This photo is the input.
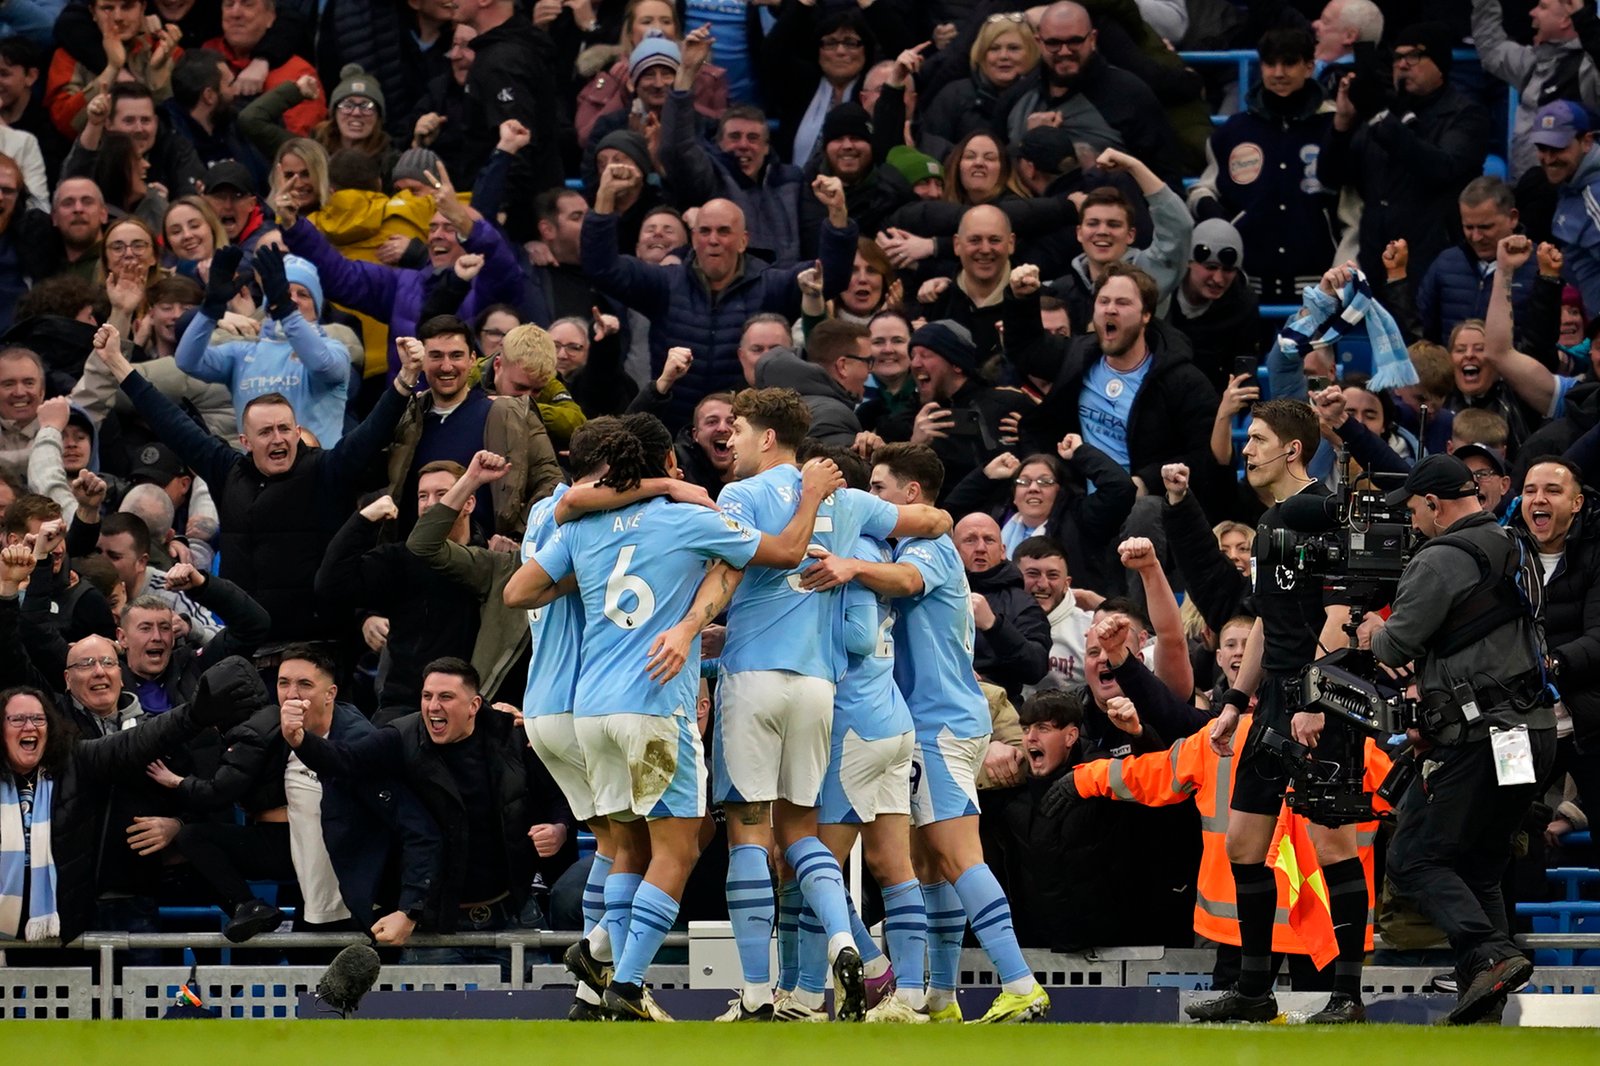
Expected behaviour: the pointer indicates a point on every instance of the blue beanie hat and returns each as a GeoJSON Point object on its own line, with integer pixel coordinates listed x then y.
{"type": "Point", "coordinates": [301, 272]}
{"type": "Point", "coordinates": [654, 50]}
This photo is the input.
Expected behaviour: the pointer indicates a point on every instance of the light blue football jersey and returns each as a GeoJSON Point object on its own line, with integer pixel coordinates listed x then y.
{"type": "Point", "coordinates": [772, 623]}
{"type": "Point", "coordinates": [867, 700]}
{"type": "Point", "coordinates": [638, 569]}
{"type": "Point", "coordinates": [555, 628]}
{"type": "Point", "coordinates": [933, 635]}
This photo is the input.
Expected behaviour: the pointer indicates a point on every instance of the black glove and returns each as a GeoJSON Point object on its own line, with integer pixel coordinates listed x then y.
{"type": "Point", "coordinates": [274, 282]}
{"type": "Point", "coordinates": [222, 283]}
{"type": "Point", "coordinates": [229, 692]}
{"type": "Point", "coordinates": [1061, 795]}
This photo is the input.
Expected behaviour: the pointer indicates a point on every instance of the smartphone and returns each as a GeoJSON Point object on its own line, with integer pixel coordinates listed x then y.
{"type": "Point", "coordinates": [1316, 382]}
{"type": "Point", "coordinates": [1244, 366]}
{"type": "Point", "coordinates": [968, 423]}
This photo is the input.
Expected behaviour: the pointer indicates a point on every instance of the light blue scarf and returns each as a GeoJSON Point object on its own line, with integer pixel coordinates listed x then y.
{"type": "Point", "coordinates": [27, 854]}
{"type": "Point", "coordinates": [1324, 319]}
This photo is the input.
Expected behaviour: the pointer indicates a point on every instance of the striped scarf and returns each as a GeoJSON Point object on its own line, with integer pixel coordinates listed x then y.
{"type": "Point", "coordinates": [27, 855]}
{"type": "Point", "coordinates": [1324, 319]}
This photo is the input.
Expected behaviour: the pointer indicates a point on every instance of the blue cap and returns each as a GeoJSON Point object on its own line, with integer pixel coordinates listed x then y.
{"type": "Point", "coordinates": [1558, 123]}
{"type": "Point", "coordinates": [302, 272]}
{"type": "Point", "coordinates": [653, 51]}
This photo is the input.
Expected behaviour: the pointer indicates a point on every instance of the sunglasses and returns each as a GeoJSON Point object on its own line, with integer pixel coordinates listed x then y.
{"type": "Point", "coordinates": [1057, 44]}
{"type": "Point", "coordinates": [1228, 258]}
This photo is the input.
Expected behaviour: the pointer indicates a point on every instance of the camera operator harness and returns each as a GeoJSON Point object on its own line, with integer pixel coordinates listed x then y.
{"type": "Point", "coordinates": [1359, 547]}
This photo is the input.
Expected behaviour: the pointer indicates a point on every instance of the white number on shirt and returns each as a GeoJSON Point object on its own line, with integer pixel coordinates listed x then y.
{"type": "Point", "coordinates": [621, 583]}
{"type": "Point", "coordinates": [885, 648]}
{"type": "Point", "coordinates": [824, 525]}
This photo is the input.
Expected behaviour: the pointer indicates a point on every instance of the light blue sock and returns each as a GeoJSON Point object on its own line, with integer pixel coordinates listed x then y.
{"type": "Point", "coordinates": [594, 892]}
{"type": "Point", "coordinates": [867, 946]}
{"type": "Point", "coordinates": [789, 903]}
{"type": "Point", "coordinates": [619, 893]}
{"type": "Point", "coordinates": [947, 921]}
{"type": "Point", "coordinates": [990, 915]}
{"type": "Point", "coordinates": [653, 914]}
{"type": "Point", "coordinates": [905, 924]}
{"type": "Point", "coordinates": [822, 884]}
{"type": "Point", "coordinates": [813, 953]}
{"type": "Point", "coordinates": [750, 909]}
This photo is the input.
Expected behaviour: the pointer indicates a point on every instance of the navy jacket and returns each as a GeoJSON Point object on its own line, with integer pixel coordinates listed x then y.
{"type": "Point", "coordinates": [684, 313]}
{"type": "Point", "coordinates": [1456, 288]}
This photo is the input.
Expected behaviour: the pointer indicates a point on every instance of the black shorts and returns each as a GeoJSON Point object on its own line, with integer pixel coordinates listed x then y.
{"type": "Point", "coordinates": [1262, 778]}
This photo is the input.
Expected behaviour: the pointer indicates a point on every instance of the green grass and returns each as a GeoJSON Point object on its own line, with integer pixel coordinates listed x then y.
{"type": "Point", "coordinates": [476, 1043]}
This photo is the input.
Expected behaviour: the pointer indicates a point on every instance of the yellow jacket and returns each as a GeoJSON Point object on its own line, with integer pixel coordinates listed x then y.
{"type": "Point", "coordinates": [357, 223]}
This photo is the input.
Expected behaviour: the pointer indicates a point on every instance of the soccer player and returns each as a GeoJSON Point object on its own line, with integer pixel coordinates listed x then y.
{"type": "Point", "coordinates": [933, 634]}
{"type": "Point", "coordinates": [634, 723]}
{"type": "Point", "coordinates": [783, 655]}
{"type": "Point", "coordinates": [866, 794]}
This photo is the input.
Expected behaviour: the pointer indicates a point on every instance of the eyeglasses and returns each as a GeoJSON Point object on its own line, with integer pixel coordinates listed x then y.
{"type": "Point", "coordinates": [1410, 59]}
{"type": "Point", "coordinates": [107, 662]}
{"type": "Point", "coordinates": [841, 44]}
{"type": "Point", "coordinates": [124, 247]}
{"type": "Point", "coordinates": [487, 332]}
{"type": "Point", "coordinates": [22, 721]}
{"type": "Point", "coordinates": [870, 360]}
{"type": "Point", "coordinates": [1058, 44]}
{"type": "Point", "coordinates": [356, 107]}
{"type": "Point", "coordinates": [1485, 475]}
{"type": "Point", "coordinates": [1045, 482]}
{"type": "Point", "coordinates": [571, 347]}
{"type": "Point", "coordinates": [1228, 258]}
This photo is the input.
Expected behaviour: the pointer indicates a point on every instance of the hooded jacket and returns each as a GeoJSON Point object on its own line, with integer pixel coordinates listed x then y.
{"type": "Point", "coordinates": [1219, 330]}
{"type": "Point", "coordinates": [1015, 651]}
{"type": "Point", "coordinates": [833, 414]}
{"type": "Point", "coordinates": [1165, 260]}
{"type": "Point", "coordinates": [395, 295]}
{"type": "Point", "coordinates": [292, 357]}
{"type": "Point", "coordinates": [358, 222]}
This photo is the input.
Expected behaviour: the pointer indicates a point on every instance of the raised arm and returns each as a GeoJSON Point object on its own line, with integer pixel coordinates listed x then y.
{"type": "Point", "coordinates": [1172, 647]}
{"type": "Point", "coordinates": [1528, 378]}
{"type": "Point", "coordinates": [430, 537]}
{"type": "Point", "coordinates": [819, 479]}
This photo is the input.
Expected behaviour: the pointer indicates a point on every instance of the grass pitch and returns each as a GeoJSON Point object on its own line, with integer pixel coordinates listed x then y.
{"type": "Point", "coordinates": [479, 1043]}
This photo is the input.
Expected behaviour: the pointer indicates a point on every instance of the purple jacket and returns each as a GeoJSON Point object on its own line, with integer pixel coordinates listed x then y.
{"type": "Point", "coordinates": [396, 294]}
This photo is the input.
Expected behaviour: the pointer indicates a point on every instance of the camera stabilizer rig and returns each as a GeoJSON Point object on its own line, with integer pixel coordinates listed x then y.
{"type": "Point", "coordinates": [1356, 544]}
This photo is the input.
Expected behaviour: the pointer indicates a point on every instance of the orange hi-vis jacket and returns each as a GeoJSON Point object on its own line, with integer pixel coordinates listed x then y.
{"type": "Point", "coordinates": [1190, 768]}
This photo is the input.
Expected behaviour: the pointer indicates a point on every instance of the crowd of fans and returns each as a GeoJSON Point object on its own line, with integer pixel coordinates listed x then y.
{"type": "Point", "coordinates": [257, 325]}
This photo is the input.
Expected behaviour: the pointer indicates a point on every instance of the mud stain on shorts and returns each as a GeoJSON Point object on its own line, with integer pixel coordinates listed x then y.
{"type": "Point", "coordinates": [655, 769]}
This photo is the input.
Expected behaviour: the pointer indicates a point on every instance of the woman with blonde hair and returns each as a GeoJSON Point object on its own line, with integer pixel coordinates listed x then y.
{"type": "Point", "coordinates": [300, 168]}
{"type": "Point", "coordinates": [191, 233]}
{"type": "Point", "coordinates": [1003, 52]}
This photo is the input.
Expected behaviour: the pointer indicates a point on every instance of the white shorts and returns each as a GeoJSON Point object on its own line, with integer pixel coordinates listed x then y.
{"type": "Point", "coordinates": [772, 737]}
{"type": "Point", "coordinates": [944, 776]}
{"type": "Point", "coordinates": [555, 742]}
{"type": "Point", "coordinates": [867, 778]}
{"type": "Point", "coordinates": [643, 765]}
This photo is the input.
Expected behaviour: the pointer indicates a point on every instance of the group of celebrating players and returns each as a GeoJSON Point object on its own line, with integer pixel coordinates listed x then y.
{"type": "Point", "coordinates": [846, 705]}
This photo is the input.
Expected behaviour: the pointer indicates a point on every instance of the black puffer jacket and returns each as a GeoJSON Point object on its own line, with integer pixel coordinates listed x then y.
{"type": "Point", "coordinates": [525, 792]}
{"type": "Point", "coordinates": [1015, 651]}
{"type": "Point", "coordinates": [230, 691]}
{"type": "Point", "coordinates": [275, 529]}
{"type": "Point", "coordinates": [1572, 619]}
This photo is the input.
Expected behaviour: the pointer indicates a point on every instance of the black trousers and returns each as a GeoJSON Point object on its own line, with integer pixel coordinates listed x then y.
{"type": "Point", "coordinates": [1452, 845]}
{"type": "Point", "coordinates": [228, 856]}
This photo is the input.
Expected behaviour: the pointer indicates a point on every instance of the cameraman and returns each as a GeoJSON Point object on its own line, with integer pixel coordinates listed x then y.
{"type": "Point", "coordinates": [1290, 611]}
{"type": "Point", "coordinates": [1487, 732]}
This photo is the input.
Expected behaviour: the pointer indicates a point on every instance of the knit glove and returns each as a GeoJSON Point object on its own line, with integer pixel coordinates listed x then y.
{"type": "Point", "coordinates": [223, 281]}
{"type": "Point", "coordinates": [274, 282]}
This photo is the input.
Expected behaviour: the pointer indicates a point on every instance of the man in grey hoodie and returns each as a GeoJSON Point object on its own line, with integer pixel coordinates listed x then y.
{"type": "Point", "coordinates": [830, 378]}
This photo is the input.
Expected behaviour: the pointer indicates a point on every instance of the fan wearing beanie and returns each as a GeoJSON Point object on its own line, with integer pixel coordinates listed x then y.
{"type": "Point", "coordinates": [294, 356]}
{"type": "Point", "coordinates": [652, 67]}
{"type": "Point", "coordinates": [871, 192]}
{"type": "Point", "coordinates": [354, 119]}
{"type": "Point", "coordinates": [1411, 160]}
{"type": "Point", "coordinates": [1214, 306]}
{"type": "Point", "coordinates": [958, 413]}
